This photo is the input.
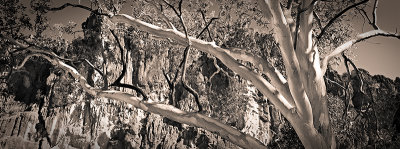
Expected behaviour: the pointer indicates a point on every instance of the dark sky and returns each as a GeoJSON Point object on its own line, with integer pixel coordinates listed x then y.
{"type": "Point", "coordinates": [377, 55]}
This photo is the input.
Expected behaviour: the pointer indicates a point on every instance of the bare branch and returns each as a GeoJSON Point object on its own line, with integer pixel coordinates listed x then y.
{"type": "Point", "coordinates": [289, 19]}
{"type": "Point", "coordinates": [374, 15]}
{"type": "Point", "coordinates": [91, 65]}
{"type": "Point", "coordinates": [331, 21]}
{"type": "Point", "coordinates": [358, 38]}
{"type": "Point", "coordinates": [365, 15]}
{"type": "Point", "coordinates": [30, 48]}
{"type": "Point", "coordinates": [346, 59]}
{"type": "Point", "coordinates": [78, 6]}
{"type": "Point", "coordinates": [26, 59]}
{"type": "Point", "coordinates": [121, 49]}
{"type": "Point", "coordinates": [133, 87]}
{"type": "Point", "coordinates": [186, 55]}
{"type": "Point", "coordinates": [208, 24]}
{"type": "Point", "coordinates": [317, 19]}
{"type": "Point", "coordinates": [334, 82]}
{"type": "Point", "coordinates": [167, 78]}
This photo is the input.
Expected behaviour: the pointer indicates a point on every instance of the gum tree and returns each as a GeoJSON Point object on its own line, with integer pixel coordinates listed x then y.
{"type": "Point", "coordinates": [299, 92]}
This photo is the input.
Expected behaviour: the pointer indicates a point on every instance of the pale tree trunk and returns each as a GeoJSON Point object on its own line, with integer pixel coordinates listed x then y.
{"type": "Point", "coordinates": [304, 74]}
{"type": "Point", "coordinates": [300, 97]}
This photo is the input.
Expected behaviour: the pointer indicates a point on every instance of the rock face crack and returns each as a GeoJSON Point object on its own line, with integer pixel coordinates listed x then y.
{"type": "Point", "coordinates": [143, 131]}
{"type": "Point", "coordinates": [41, 126]}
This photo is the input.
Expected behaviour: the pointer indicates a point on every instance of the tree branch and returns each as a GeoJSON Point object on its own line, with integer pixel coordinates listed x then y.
{"type": "Point", "coordinates": [78, 6]}
{"type": "Point", "coordinates": [317, 19]}
{"type": "Point", "coordinates": [346, 59]}
{"type": "Point", "coordinates": [91, 65]}
{"type": "Point", "coordinates": [357, 39]}
{"type": "Point", "coordinates": [331, 21]}
{"type": "Point", "coordinates": [208, 24]}
{"type": "Point", "coordinates": [121, 49]}
{"type": "Point", "coordinates": [186, 55]}
{"type": "Point", "coordinates": [374, 15]}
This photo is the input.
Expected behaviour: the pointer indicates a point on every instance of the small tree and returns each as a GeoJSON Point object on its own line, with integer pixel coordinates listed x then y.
{"type": "Point", "coordinates": [299, 93]}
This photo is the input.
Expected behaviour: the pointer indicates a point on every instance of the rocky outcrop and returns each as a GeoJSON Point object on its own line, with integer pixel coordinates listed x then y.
{"type": "Point", "coordinates": [45, 108]}
{"type": "Point", "coordinates": [370, 119]}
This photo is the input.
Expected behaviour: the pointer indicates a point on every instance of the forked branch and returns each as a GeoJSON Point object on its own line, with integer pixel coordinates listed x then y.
{"type": "Point", "coordinates": [331, 21]}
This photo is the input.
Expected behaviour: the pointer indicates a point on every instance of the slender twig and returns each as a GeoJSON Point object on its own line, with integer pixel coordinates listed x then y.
{"type": "Point", "coordinates": [346, 91]}
{"type": "Point", "coordinates": [316, 16]}
{"type": "Point", "coordinates": [334, 82]}
{"type": "Point", "coordinates": [373, 22]}
{"type": "Point", "coordinates": [219, 69]}
{"type": "Point", "coordinates": [172, 7]}
{"type": "Point", "coordinates": [170, 84]}
{"type": "Point", "coordinates": [208, 24]}
{"type": "Point", "coordinates": [91, 65]}
{"type": "Point", "coordinates": [121, 49]}
{"type": "Point", "coordinates": [78, 6]}
{"type": "Point", "coordinates": [346, 59]}
{"type": "Point", "coordinates": [364, 16]}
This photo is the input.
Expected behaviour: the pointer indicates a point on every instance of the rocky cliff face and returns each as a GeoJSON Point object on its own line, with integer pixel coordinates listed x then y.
{"type": "Point", "coordinates": [44, 107]}
{"type": "Point", "coordinates": [370, 119]}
